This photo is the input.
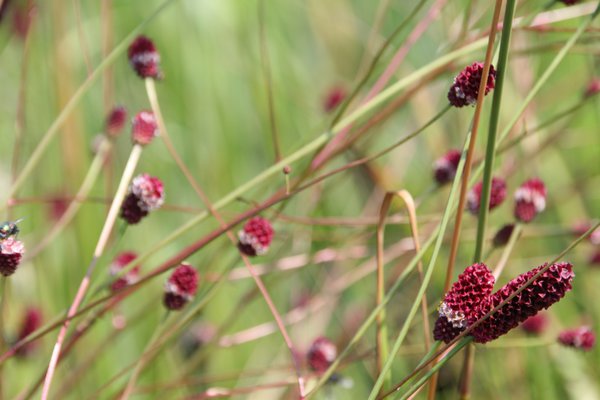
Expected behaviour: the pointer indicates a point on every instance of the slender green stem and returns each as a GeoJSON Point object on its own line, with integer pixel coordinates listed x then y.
{"type": "Point", "coordinates": [428, 273]}
{"type": "Point", "coordinates": [493, 128]}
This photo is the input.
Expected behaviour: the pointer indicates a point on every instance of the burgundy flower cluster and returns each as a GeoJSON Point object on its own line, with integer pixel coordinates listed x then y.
{"type": "Point", "coordinates": [321, 354]}
{"type": "Point", "coordinates": [465, 89]}
{"type": "Point", "coordinates": [131, 277]}
{"type": "Point", "coordinates": [181, 287]}
{"type": "Point", "coordinates": [146, 193]}
{"type": "Point", "coordinates": [256, 236]}
{"type": "Point", "coordinates": [593, 239]}
{"type": "Point", "coordinates": [444, 168]}
{"type": "Point", "coordinates": [470, 299]}
{"type": "Point", "coordinates": [580, 338]}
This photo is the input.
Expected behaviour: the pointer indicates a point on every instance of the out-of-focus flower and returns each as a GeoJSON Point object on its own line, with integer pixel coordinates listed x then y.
{"type": "Point", "coordinates": [497, 195]}
{"type": "Point", "coordinates": [335, 96]}
{"type": "Point", "coordinates": [255, 237]}
{"type": "Point", "coordinates": [181, 287]}
{"type": "Point", "coordinates": [503, 235]}
{"type": "Point", "coordinates": [321, 355]}
{"type": "Point", "coordinates": [118, 264]}
{"type": "Point", "coordinates": [444, 168]}
{"type": "Point", "coordinates": [31, 321]}
{"type": "Point", "coordinates": [11, 251]}
{"type": "Point", "coordinates": [582, 227]}
{"type": "Point", "coordinates": [115, 121]}
{"type": "Point", "coordinates": [535, 324]}
{"type": "Point", "coordinates": [146, 194]}
{"type": "Point", "coordinates": [593, 88]}
{"type": "Point", "coordinates": [472, 286]}
{"type": "Point", "coordinates": [144, 128]}
{"type": "Point", "coordinates": [580, 338]}
{"type": "Point", "coordinates": [144, 58]}
{"type": "Point", "coordinates": [530, 200]}
{"type": "Point", "coordinates": [465, 89]}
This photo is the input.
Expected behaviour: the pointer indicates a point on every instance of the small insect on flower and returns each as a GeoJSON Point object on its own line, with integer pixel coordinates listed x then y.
{"type": "Point", "coordinates": [9, 228]}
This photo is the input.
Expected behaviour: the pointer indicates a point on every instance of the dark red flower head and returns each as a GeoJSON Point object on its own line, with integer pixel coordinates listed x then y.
{"type": "Point", "coordinates": [582, 227]}
{"type": "Point", "coordinates": [595, 258]}
{"type": "Point", "coordinates": [444, 168]}
{"type": "Point", "coordinates": [503, 235]}
{"type": "Point", "coordinates": [544, 291]}
{"type": "Point", "coordinates": [144, 58]}
{"type": "Point", "coordinates": [593, 88]}
{"type": "Point", "coordinates": [474, 284]}
{"type": "Point", "coordinates": [144, 128]}
{"type": "Point", "coordinates": [11, 251]}
{"type": "Point", "coordinates": [569, 2]}
{"type": "Point", "coordinates": [580, 338]}
{"type": "Point", "coordinates": [465, 89]}
{"type": "Point", "coordinates": [334, 98]}
{"type": "Point", "coordinates": [535, 324]}
{"type": "Point", "coordinates": [32, 320]}
{"type": "Point", "coordinates": [497, 195]}
{"type": "Point", "coordinates": [146, 193]}
{"type": "Point", "coordinates": [321, 355]}
{"type": "Point", "coordinates": [181, 287]}
{"type": "Point", "coordinates": [255, 237]}
{"type": "Point", "coordinates": [117, 265]}
{"type": "Point", "coordinates": [115, 121]}
{"type": "Point", "coordinates": [530, 200]}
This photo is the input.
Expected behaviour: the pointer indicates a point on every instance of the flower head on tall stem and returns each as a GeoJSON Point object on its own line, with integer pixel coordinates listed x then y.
{"type": "Point", "coordinates": [580, 338]}
{"type": "Point", "coordinates": [465, 89]}
{"type": "Point", "coordinates": [444, 168]}
{"type": "Point", "coordinates": [146, 193]}
{"type": "Point", "coordinates": [181, 287]}
{"type": "Point", "coordinates": [256, 236]}
{"type": "Point", "coordinates": [144, 128]}
{"type": "Point", "coordinates": [144, 58]}
{"type": "Point", "coordinates": [321, 354]}
{"type": "Point", "coordinates": [497, 195]}
{"type": "Point", "coordinates": [530, 200]}
{"type": "Point", "coordinates": [118, 264]}
{"type": "Point", "coordinates": [115, 121]}
{"type": "Point", "coordinates": [545, 290]}
{"type": "Point", "coordinates": [11, 252]}
{"type": "Point", "coordinates": [472, 286]}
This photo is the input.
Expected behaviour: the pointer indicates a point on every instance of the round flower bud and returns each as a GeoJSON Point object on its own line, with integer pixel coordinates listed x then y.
{"type": "Point", "coordinates": [118, 264]}
{"type": "Point", "coordinates": [321, 355]}
{"type": "Point", "coordinates": [465, 89]}
{"type": "Point", "coordinates": [144, 128]}
{"type": "Point", "coordinates": [115, 121]}
{"type": "Point", "coordinates": [530, 200]}
{"type": "Point", "coordinates": [144, 58]}
{"type": "Point", "coordinates": [255, 237]}
{"type": "Point", "coordinates": [146, 193]}
{"type": "Point", "coordinates": [580, 338]}
{"type": "Point", "coordinates": [497, 195]}
{"type": "Point", "coordinates": [444, 168]}
{"type": "Point", "coordinates": [11, 251]}
{"type": "Point", "coordinates": [181, 287]}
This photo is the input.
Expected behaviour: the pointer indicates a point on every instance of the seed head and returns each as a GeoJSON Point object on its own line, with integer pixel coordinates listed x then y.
{"type": "Point", "coordinates": [255, 237]}
{"type": "Point", "coordinates": [11, 251]}
{"type": "Point", "coordinates": [444, 168]}
{"type": "Point", "coordinates": [544, 291]}
{"type": "Point", "coordinates": [536, 324]}
{"type": "Point", "coordinates": [530, 200]}
{"type": "Point", "coordinates": [146, 193]}
{"type": "Point", "coordinates": [32, 320]}
{"type": "Point", "coordinates": [321, 355]}
{"type": "Point", "coordinates": [334, 98]}
{"type": "Point", "coordinates": [144, 128]}
{"type": "Point", "coordinates": [465, 89]}
{"type": "Point", "coordinates": [118, 264]}
{"type": "Point", "coordinates": [115, 121]}
{"type": "Point", "coordinates": [580, 338]}
{"type": "Point", "coordinates": [497, 195]}
{"type": "Point", "coordinates": [472, 286]}
{"type": "Point", "coordinates": [144, 58]}
{"type": "Point", "coordinates": [181, 287]}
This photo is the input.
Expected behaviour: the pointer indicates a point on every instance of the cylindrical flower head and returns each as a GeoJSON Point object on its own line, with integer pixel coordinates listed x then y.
{"type": "Point", "coordinates": [144, 58]}
{"type": "Point", "coordinates": [334, 98]}
{"type": "Point", "coordinates": [497, 195]}
{"type": "Point", "coordinates": [535, 324]}
{"type": "Point", "coordinates": [472, 286]}
{"type": "Point", "coordinates": [144, 128]}
{"type": "Point", "coordinates": [146, 194]}
{"type": "Point", "coordinates": [465, 89]}
{"type": "Point", "coordinates": [544, 291]}
{"type": "Point", "coordinates": [117, 265]}
{"type": "Point", "coordinates": [444, 168]}
{"type": "Point", "coordinates": [11, 251]}
{"type": "Point", "coordinates": [32, 320]}
{"type": "Point", "coordinates": [115, 121]}
{"type": "Point", "coordinates": [530, 200]}
{"type": "Point", "coordinates": [255, 237]}
{"type": "Point", "coordinates": [580, 338]}
{"type": "Point", "coordinates": [181, 287]}
{"type": "Point", "coordinates": [503, 235]}
{"type": "Point", "coordinates": [321, 355]}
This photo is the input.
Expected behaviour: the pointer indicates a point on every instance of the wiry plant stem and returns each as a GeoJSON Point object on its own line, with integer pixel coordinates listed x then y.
{"type": "Point", "coordinates": [134, 157]}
